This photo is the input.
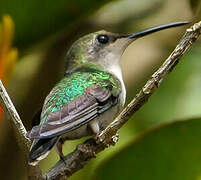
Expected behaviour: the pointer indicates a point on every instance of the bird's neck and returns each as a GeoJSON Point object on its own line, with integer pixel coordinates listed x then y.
{"type": "Point", "coordinates": [115, 69]}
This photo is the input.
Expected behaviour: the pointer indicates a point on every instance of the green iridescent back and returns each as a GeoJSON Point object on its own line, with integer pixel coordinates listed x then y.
{"type": "Point", "coordinates": [74, 85]}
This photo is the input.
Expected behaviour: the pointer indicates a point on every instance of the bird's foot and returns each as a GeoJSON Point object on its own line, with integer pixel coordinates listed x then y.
{"type": "Point", "coordinates": [62, 158]}
{"type": "Point", "coordinates": [96, 137]}
{"type": "Point", "coordinates": [59, 150]}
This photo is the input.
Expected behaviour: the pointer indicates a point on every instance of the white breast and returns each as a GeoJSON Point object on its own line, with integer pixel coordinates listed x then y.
{"type": "Point", "coordinates": [116, 70]}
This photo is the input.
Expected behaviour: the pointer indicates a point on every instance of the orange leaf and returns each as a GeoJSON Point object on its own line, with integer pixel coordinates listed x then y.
{"type": "Point", "coordinates": [8, 55]}
{"type": "Point", "coordinates": [6, 36]}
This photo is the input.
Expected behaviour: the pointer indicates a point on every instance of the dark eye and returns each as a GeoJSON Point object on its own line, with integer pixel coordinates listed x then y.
{"type": "Point", "coordinates": [103, 39]}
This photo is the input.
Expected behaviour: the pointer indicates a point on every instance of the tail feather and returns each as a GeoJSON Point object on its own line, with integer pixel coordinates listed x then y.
{"type": "Point", "coordinates": [40, 149]}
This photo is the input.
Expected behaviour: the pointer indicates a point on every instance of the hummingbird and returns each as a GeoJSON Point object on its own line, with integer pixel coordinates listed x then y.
{"type": "Point", "coordinates": [90, 95]}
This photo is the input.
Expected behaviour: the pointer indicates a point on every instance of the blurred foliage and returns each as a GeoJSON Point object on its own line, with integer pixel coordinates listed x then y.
{"type": "Point", "coordinates": [44, 30]}
{"type": "Point", "coordinates": [114, 18]}
{"type": "Point", "coordinates": [196, 7]}
{"type": "Point", "coordinates": [36, 20]}
{"type": "Point", "coordinates": [8, 55]}
{"type": "Point", "coordinates": [173, 100]}
{"type": "Point", "coordinates": [171, 151]}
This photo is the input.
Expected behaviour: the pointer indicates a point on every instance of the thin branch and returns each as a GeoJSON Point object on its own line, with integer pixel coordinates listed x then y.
{"type": "Point", "coordinates": [24, 142]}
{"type": "Point", "coordinates": [15, 119]}
{"type": "Point", "coordinates": [84, 152]}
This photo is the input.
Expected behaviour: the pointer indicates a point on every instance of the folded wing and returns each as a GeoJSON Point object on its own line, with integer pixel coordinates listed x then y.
{"type": "Point", "coordinates": [94, 101]}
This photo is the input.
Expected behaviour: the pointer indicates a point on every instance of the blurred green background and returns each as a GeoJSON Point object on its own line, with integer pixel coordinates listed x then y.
{"type": "Point", "coordinates": [162, 140]}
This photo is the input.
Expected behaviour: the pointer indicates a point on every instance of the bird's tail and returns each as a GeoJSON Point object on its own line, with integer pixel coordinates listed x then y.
{"type": "Point", "coordinates": [40, 149]}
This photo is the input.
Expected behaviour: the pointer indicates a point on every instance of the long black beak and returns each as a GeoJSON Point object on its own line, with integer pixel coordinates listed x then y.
{"type": "Point", "coordinates": [153, 29]}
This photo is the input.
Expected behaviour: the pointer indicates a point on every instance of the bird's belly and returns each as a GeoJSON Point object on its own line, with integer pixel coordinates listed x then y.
{"type": "Point", "coordinates": [77, 133]}
{"type": "Point", "coordinates": [103, 120]}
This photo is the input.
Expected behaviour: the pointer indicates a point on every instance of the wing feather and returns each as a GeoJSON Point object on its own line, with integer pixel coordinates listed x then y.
{"type": "Point", "coordinates": [78, 112]}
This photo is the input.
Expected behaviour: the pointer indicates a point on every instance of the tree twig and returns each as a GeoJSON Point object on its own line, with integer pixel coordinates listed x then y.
{"type": "Point", "coordinates": [84, 152]}
{"type": "Point", "coordinates": [15, 119]}
{"type": "Point", "coordinates": [34, 173]}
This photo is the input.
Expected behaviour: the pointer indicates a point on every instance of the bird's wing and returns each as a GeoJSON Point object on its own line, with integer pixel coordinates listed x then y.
{"type": "Point", "coordinates": [95, 100]}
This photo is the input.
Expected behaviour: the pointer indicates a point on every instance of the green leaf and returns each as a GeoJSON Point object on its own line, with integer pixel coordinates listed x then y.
{"type": "Point", "coordinates": [167, 152]}
{"type": "Point", "coordinates": [35, 20]}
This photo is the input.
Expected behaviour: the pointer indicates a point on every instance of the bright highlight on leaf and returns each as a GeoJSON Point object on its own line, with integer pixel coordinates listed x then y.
{"type": "Point", "coordinates": [8, 55]}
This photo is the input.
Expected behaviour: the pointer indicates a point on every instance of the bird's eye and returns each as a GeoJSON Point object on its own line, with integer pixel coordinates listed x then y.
{"type": "Point", "coordinates": [103, 39]}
